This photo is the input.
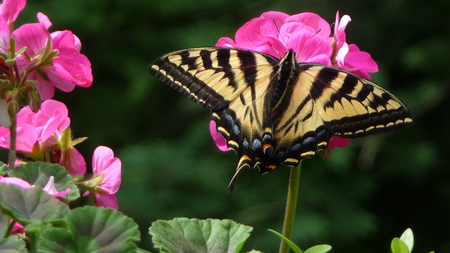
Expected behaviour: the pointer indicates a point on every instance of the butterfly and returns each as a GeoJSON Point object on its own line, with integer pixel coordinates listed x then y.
{"type": "Point", "coordinates": [277, 111]}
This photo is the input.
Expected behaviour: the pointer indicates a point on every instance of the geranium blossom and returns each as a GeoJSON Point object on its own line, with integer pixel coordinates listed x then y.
{"type": "Point", "coordinates": [309, 36]}
{"type": "Point", "coordinates": [39, 136]}
{"type": "Point", "coordinates": [69, 68]}
{"type": "Point", "coordinates": [106, 177]}
{"type": "Point", "coordinates": [274, 33]}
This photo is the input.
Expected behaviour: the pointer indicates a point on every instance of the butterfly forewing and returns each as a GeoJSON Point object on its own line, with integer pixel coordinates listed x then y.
{"type": "Point", "coordinates": [211, 77]}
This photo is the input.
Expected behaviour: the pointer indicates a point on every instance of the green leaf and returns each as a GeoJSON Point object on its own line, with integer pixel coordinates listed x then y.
{"type": "Point", "coordinates": [38, 174]}
{"type": "Point", "coordinates": [4, 225]}
{"type": "Point", "coordinates": [37, 227]}
{"type": "Point", "coordinates": [323, 248]}
{"type": "Point", "coordinates": [408, 238]}
{"type": "Point", "coordinates": [199, 236]}
{"type": "Point", "coordinates": [398, 246]}
{"type": "Point", "coordinates": [12, 244]}
{"type": "Point", "coordinates": [293, 246]}
{"type": "Point", "coordinates": [3, 168]}
{"type": "Point", "coordinates": [92, 229]}
{"type": "Point", "coordinates": [23, 205]}
{"type": "Point", "coordinates": [143, 251]}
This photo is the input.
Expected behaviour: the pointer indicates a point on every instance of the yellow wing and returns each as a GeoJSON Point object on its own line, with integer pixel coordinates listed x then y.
{"type": "Point", "coordinates": [234, 85]}
{"type": "Point", "coordinates": [329, 102]}
{"type": "Point", "coordinates": [274, 112]}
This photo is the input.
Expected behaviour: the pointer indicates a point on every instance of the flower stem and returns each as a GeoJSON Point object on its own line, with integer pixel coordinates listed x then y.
{"type": "Point", "coordinates": [12, 141]}
{"type": "Point", "coordinates": [291, 204]}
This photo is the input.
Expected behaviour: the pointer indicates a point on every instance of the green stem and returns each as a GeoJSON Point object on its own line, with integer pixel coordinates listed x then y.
{"type": "Point", "coordinates": [34, 239]}
{"type": "Point", "coordinates": [291, 205]}
{"type": "Point", "coordinates": [12, 141]}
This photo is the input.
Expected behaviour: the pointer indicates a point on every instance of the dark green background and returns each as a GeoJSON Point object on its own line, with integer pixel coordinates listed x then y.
{"type": "Point", "coordinates": [357, 200]}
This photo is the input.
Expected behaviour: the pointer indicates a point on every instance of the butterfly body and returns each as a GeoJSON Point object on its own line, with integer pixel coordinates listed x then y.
{"type": "Point", "coordinates": [273, 111]}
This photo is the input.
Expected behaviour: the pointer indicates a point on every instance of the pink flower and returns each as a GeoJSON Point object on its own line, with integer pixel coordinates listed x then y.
{"type": "Point", "coordinates": [37, 128]}
{"type": "Point", "coordinates": [67, 69]}
{"type": "Point", "coordinates": [309, 36]}
{"type": "Point", "coordinates": [46, 133]}
{"type": "Point", "coordinates": [9, 9]}
{"type": "Point", "coordinates": [106, 177]}
{"type": "Point", "coordinates": [349, 57]}
{"type": "Point", "coordinates": [274, 33]}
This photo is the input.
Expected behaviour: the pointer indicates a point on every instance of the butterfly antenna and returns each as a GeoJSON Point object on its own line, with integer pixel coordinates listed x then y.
{"type": "Point", "coordinates": [284, 41]}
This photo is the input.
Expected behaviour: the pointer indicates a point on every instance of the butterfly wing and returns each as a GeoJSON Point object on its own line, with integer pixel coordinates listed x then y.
{"type": "Point", "coordinates": [233, 84]}
{"type": "Point", "coordinates": [329, 102]}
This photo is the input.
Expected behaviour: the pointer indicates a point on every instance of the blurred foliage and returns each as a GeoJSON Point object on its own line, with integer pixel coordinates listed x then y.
{"type": "Point", "coordinates": [356, 200]}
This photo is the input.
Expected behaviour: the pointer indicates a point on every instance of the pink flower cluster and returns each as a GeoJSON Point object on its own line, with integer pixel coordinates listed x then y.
{"type": "Point", "coordinates": [310, 37]}
{"type": "Point", "coordinates": [40, 136]}
{"type": "Point", "coordinates": [45, 136]}
{"type": "Point", "coordinates": [50, 59]}
{"type": "Point", "coordinates": [33, 61]}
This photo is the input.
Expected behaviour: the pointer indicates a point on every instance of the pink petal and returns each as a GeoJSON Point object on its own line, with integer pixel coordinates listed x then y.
{"type": "Point", "coordinates": [254, 32]}
{"type": "Point", "coordinates": [44, 21]}
{"type": "Point", "coordinates": [10, 9]}
{"type": "Point", "coordinates": [51, 119]}
{"type": "Point", "coordinates": [320, 25]}
{"type": "Point", "coordinates": [74, 67]}
{"type": "Point", "coordinates": [56, 80]}
{"type": "Point", "coordinates": [5, 36]}
{"type": "Point", "coordinates": [360, 59]}
{"type": "Point", "coordinates": [62, 193]}
{"type": "Point", "coordinates": [107, 200]}
{"type": "Point", "coordinates": [337, 141]}
{"type": "Point", "coordinates": [74, 162]}
{"type": "Point", "coordinates": [220, 141]}
{"type": "Point", "coordinates": [339, 29]}
{"type": "Point", "coordinates": [50, 188]}
{"type": "Point", "coordinates": [17, 229]}
{"type": "Point", "coordinates": [25, 116]}
{"type": "Point", "coordinates": [310, 48]}
{"type": "Point", "coordinates": [26, 138]}
{"type": "Point", "coordinates": [225, 42]}
{"type": "Point", "coordinates": [31, 36]}
{"type": "Point", "coordinates": [15, 181]}
{"type": "Point", "coordinates": [272, 46]}
{"type": "Point", "coordinates": [63, 39]}
{"type": "Point", "coordinates": [277, 18]}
